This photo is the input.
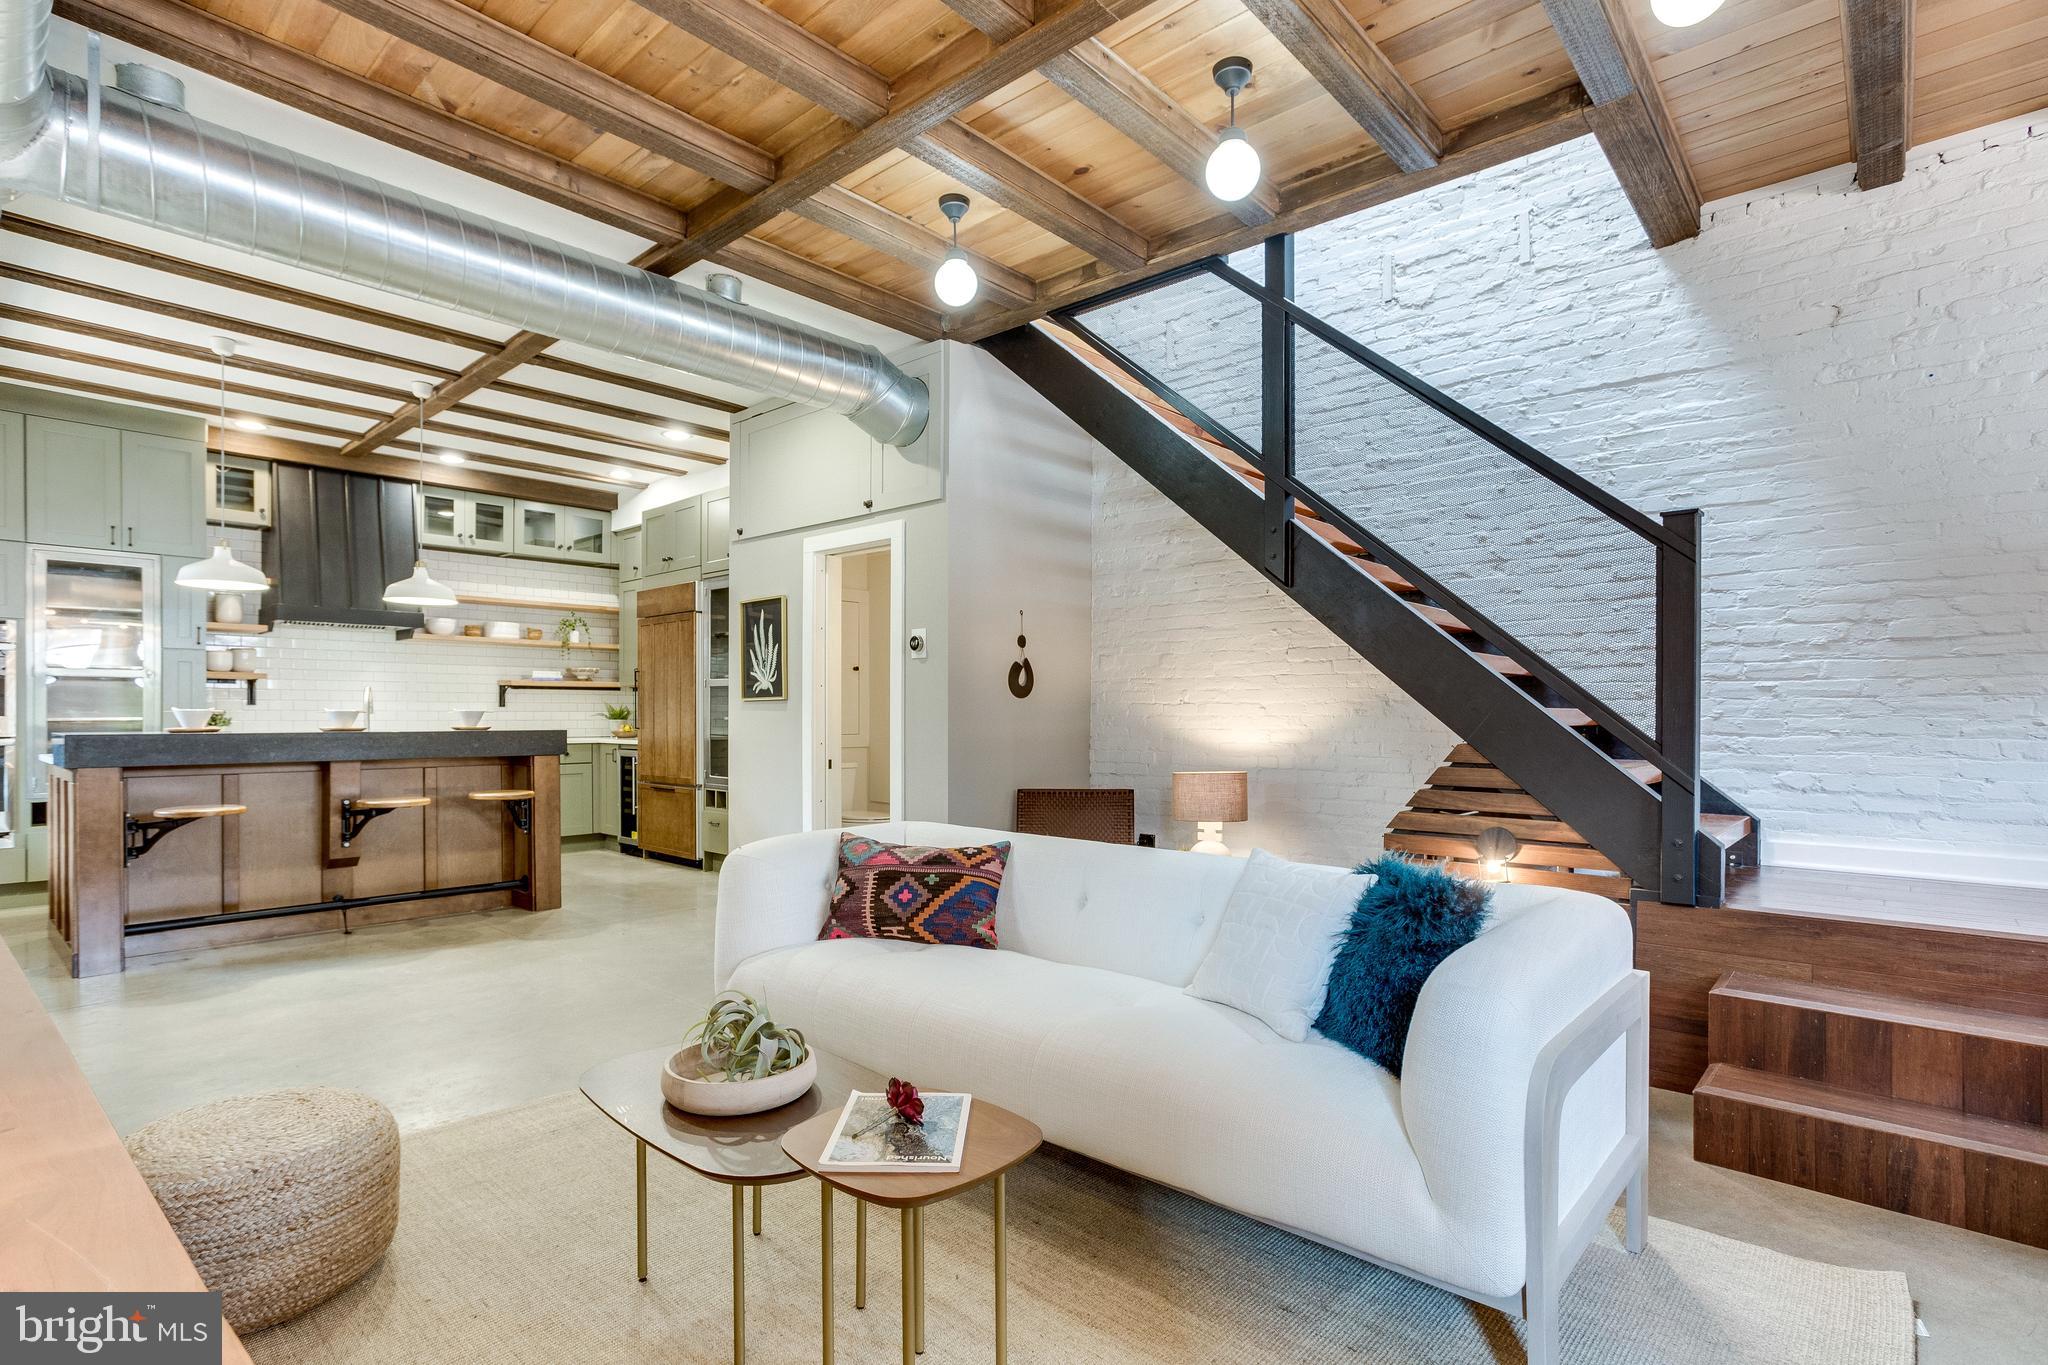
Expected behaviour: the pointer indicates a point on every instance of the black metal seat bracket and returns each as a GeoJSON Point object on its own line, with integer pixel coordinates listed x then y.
{"type": "Point", "coordinates": [143, 835]}
{"type": "Point", "coordinates": [354, 817]}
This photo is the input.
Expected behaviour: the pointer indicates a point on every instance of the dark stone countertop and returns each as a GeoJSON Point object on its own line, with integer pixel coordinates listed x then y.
{"type": "Point", "coordinates": [156, 750]}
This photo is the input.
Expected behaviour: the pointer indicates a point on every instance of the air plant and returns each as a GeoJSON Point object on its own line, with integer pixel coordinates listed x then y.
{"type": "Point", "coordinates": [739, 1038]}
{"type": "Point", "coordinates": [762, 652]}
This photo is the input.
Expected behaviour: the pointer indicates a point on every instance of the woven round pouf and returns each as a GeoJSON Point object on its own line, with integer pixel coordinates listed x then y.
{"type": "Point", "coordinates": [282, 1199]}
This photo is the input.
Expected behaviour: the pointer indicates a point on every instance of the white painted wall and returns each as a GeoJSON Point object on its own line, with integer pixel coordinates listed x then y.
{"type": "Point", "coordinates": [1848, 383]}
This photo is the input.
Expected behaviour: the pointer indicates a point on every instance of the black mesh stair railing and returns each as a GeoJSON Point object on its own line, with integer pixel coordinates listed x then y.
{"type": "Point", "coordinates": [1556, 593]}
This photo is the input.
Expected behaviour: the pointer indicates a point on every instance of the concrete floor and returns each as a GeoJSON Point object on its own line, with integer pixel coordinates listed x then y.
{"type": "Point", "coordinates": [446, 1018]}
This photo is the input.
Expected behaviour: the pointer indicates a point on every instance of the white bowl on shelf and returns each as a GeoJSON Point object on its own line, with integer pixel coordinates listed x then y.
{"type": "Point", "coordinates": [440, 625]}
{"type": "Point", "coordinates": [502, 630]}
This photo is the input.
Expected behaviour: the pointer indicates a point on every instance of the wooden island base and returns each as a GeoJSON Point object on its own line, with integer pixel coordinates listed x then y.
{"type": "Point", "coordinates": [164, 843]}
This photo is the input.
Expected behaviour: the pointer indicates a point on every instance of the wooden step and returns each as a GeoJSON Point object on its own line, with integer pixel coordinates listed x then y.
{"type": "Point", "coordinates": [1726, 830]}
{"type": "Point", "coordinates": [1466, 775]}
{"type": "Point", "coordinates": [1576, 857]}
{"type": "Point", "coordinates": [1984, 1174]}
{"type": "Point", "coordinates": [1437, 616]}
{"type": "Point", "coordinates": [1641, 769]}
{"type": "Point", "coordinates": [1501, 664]}
{"type": "Point", "coordinates": [1572, 716]}
{"type": "Point", "coordinates": [1490, 802]}
{"type": "Point", "coordinates": [1613, 888]}
{"type": "Point", "coordinates": [1975, 1061]}
{"type": "Point", "coordinates": [1522, 827]}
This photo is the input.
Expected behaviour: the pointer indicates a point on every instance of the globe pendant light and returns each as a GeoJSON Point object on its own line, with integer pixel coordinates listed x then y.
{"type": "Point", "coordinates": [420, 590]}
{"type": "Point", "coordinates": [1682, 13]}
{"type": "Point", "coordinates": [221, 571]}
{"type": "Point", "coordinates": [1233, 169]}
{"type": "Point", "coordinates": [955, 281]}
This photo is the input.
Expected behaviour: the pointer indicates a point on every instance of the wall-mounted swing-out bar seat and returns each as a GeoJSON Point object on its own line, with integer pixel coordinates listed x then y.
{"type": "Point", "coordinates": [357, 811]}
{"type": "Point", "coordinates": [143, 832]}
{"type": "Point", "coordinates": [517, 800]}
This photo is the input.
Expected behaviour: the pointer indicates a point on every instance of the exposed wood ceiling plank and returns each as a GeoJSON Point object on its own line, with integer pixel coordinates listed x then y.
{"type": "Point", "coordinates": [524, 422]}
{"type": "Point", "coordinates": [1628, 116]}
{"type": "Point", "coordinates": [452, 390]}
{"type": "Point", "coordinates": [652, 387]}
{"type": "Point", "coordinates": [241, 388]}
{"type": "Point", "coordinates": [991, 171]}
{"type": "Point", "coordinates": [1129, 101]}
{"type": "Point", "coordinates": [1543, 122]}
{"type": "Point", "coordinates": [226, 324]}
{"type": "Point", "coordinates": [598, 407]}
{"type": "Point", "coordinates": [241, 57]}
{"type": "Point", "coordinates": [128, 393]}
{"type": "Point", "coordinates": [165, 346]}
{"type": "Point", "coordinates": [868, 223]}
{"type": "Point", "coordinates": [456, 33]}
{"type": "Point", "coordinates": [1877, 37]}
{"type": "Point", "coordinates": [799, 275]}
{"type": "Point", "coordinates": [1325, 39]}
{"type": "Point", "coordinates": [130, 254]}
{"type": "Point", "coordinates": [784, 51]}
{"type": "Point", "coordinates": [256, 445]}
{"type": "Point", "coordinates": [929, 94]}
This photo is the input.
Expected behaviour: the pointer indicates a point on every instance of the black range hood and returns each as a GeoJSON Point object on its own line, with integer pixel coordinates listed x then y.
{"type": "Point", "coordinates": [336, 542]}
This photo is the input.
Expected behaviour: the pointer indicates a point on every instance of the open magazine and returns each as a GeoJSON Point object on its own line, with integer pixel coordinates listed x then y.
{"type": "Point", "coordinates": [873, 1138]}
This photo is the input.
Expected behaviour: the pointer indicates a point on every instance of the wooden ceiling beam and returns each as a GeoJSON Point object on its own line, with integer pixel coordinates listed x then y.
{"type": "Point", "coordinates": [1329, 43]}
{"type": "Point", "coordinates": [988, 169]}
{"type": "Point", "coordinates": [1373, 179]}
{"type": "Point", "coordinates": [241, 57]}
{"type": "Point", "coordinates": [654, 388]}
{"type": "Point", "coordinates": [929, 94]}
{"type": "Point", "coordinates": [240, 388]}
{"type": "Point", "coordinates": [258, 446]}
{"type": "Point", "coordinates": [526, 423]}
{"type": "Point", "coordinates": [498, 52]}
{"type": "Point", "coordinates": [127, 393]}
{"type": "Point", "coordinates": [1877, 37]}
{"type": "Point", "coordinates": [784, 51]}
{"type": "Point", "coordinates": [453, 389]}
{"type": "Point", "coordinates": [799, 275]}
{"type": "Point", "coordinates": [165, 346]}
{"type": "Point", "coordinates": [868, 223]}
{"type": "Point", "coordinates": [1629, 117]}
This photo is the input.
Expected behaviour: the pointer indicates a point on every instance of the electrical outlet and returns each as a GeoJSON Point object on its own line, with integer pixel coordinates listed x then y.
{"type": "Point", "coordinates": [919, 646]}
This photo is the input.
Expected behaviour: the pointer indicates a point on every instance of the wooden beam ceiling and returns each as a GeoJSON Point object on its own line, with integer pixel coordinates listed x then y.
{"type": "Point", "coordinates": [258, 446]}
{"type": "Point", "coordinates": [1628, 116]}
{"type": "Point", "coordinates": [867, 222]}
{"type": "Point", "coordinates": [1002, 178]}
{"type": "Point", "coordinates": [1877, 37]}
{"type": "Point", "coordinates": [1328, 42]}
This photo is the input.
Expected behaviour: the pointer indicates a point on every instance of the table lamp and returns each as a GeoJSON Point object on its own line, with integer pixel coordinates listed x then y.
{"type": "Point", "coordinates": [1210, 799]}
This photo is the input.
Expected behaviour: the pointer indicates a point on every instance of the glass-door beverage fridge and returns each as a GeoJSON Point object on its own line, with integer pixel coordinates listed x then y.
{"type": "Point", "coordinates": [93, 650]}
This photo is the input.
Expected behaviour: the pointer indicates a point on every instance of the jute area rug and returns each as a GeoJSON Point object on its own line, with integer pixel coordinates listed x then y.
{"type": "Point", "coordinates": [515, 1244]}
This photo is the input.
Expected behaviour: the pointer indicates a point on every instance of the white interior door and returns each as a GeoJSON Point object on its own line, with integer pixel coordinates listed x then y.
{"type": "Point", "coordinates": [831, 698]}
{"type": "Point", "coordinates": [855, 679]}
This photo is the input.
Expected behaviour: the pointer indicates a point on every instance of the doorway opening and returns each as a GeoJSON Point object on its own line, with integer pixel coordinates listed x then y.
{"type": "Point", "coordinates": [855, 695]}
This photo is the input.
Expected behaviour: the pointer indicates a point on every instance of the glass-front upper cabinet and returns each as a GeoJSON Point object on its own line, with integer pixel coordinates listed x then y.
{"type": "Point", "coordinates": [540, 529]}
{"type": "Point", "coordinates": [441, 519]}
{"type": "Point", "coordinates": [490, 522]}
{"type": "Point", "coordinates": [717, 627]}
{"type": "Point", "coordinates": [238, 492]}
{"type": "Point", "coordinates": [463, 519]}
{"type": "Point", "coordinates": [585, 535]}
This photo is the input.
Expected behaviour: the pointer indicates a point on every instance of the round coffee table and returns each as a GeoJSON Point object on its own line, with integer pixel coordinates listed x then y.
{"type": "Point", "coordinates": [744, 1152]}
{"type": "Point", "coordinates": [996, 1140]}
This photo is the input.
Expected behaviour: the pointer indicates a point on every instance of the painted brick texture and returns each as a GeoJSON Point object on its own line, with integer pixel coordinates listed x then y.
{"type": "Point", "coordinates": [1848, 384]}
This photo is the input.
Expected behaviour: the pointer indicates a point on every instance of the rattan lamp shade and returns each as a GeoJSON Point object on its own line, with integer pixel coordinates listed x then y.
{"type": "Point", "coordinates": [1211, 797]}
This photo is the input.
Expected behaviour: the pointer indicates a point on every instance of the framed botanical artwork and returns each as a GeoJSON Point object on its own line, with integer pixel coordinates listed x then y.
{"type": "Point", "coordinates": [764, 636]}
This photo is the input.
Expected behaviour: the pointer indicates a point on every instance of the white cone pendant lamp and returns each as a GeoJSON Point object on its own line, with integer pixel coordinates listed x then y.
{"type": "Point", "coordinates": [1233, 169]}
{"type": "Point", "coordinates": [955, 282]}
{"type": "Point", "coordinates": [1682, 13]}
{"type": "Point", "coordinates": [221, 571]}
{"type": "Point", "coordinates": [420, 590]}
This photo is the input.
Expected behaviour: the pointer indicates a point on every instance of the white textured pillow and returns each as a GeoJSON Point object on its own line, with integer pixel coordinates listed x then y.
{"type": "Point", "coordinates": [1275, 942]}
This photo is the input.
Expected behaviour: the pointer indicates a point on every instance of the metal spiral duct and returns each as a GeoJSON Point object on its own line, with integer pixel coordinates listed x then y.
{"type": "Point", "coordinates": [105, 148]}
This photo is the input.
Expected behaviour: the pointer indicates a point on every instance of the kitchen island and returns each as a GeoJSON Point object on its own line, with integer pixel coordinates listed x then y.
{"type": "Point", "coordinates": [161, 842]}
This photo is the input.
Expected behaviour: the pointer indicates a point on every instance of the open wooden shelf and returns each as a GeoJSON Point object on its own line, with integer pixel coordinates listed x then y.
{"type": "Point", "coordinates": [553, 684]}
{"type": "Point", "coordinates": [237, 628]}
{"type": "Point", "coordinates": [522, 644]}
{"type": "Point", "coordinates": [480, 600]}
{"type": "Point", "coordinates": [248, 680]}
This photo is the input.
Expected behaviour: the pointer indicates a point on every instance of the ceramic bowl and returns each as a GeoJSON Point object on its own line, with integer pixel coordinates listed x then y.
{"type": "Point", "coordinates": [220, 660]}
{"type": "Point", "coordinates": [502, 630]}
{"type": "Point", "coordinates": [469, 720]}
{"type": "Point", "coordinates": [684, 1085]}
{"type": "Point", "coordinates": [440, 625]}
{"type": "Point", "coordinates": [191, 717]}
{"type": "Point", "coordinates": [345, 720]}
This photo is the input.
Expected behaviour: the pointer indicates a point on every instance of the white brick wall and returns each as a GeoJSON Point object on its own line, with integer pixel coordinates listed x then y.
{"type": "Point", "coordinates": [418, 684]}
{"type": "Point", "coordinates": [1848, 384]}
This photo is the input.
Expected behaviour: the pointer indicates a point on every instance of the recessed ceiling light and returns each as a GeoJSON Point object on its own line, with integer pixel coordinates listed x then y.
{"type": "Point", "coordinates": [676, 434]}
{"type": "Point", "coordinates": [450, 457]}
{"type": "Point", "coordinates": [621, 473]}
{"type": "Point", "coordinates": [251, 424]}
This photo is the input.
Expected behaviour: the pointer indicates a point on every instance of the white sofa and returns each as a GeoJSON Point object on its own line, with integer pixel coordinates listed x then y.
{"type": "Point", "coordinates": [1520, 1117]}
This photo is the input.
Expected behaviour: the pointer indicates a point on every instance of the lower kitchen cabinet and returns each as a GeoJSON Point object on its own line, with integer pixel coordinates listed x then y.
{"type": "Point", "coordinates": [668, 820]}
{"type": "Point", "coordinates": [604, 777]}
{"type": "Point", "coordinates": [578, 811]}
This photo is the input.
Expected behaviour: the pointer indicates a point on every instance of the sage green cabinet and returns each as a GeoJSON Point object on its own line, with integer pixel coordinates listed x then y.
{"type": "Point", "coordinates": [671, 539]}
{"type": "Point", "coordinates": [629, 647]}
{"type": "Point", "coordinates": [13, 477]}
{"type": "Point", "coordinates": [93, 486]}
{"type": "Point", "coordinates": [576, 800]}
{"type": "Point", "coordinates": [626, 544]}
{"type": "Point", "coordinates": [184, 682]}
{"type": "Point", "coordinates": [13, 580]}
{"type": "Point", "coordinates": [163, 494]}
{"type": "Point", "coordinates": [185, 610]}
{"type": "Point", "coordinates": [604, 778]}
{"type": "Point", "coordinates": [717, 533]}
{"type": "Point", "coordinates": [74, 483]}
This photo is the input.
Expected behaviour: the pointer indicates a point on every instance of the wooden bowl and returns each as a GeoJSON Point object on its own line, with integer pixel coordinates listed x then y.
{"type": "Point", "coordinates": [684, 1085]}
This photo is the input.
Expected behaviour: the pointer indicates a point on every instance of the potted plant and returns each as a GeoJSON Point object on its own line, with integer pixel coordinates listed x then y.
{"type": "Point", "coordinates": [220, 720]}
{"type": "Point", "coordinates": [621, 718]}
{"type": "Point", "coordinates": [570, 631]}
{"type": "Point", "coordinates": [743, 1062]}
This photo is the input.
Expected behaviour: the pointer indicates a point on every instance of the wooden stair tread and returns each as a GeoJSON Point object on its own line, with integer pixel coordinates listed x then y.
{"type": "Point", "coordinates": [1538, 829]}
{"type": "Point", "coordinates": [1904, 1118]}
{"type": "Point", "coordinates": [1890, 1009]}
{"type": "Point", "coordinates": [195, 812]}
{"type": "Point", "coordinates": [1726, 829]}
{"type": "Point", "coordinates": [1439, 617]}
{"type": "Point", "coordinates": [1501, 664]}
{"type": "Point", "coordinates": [1532, 854]}
{"type": "Point", "coordinates": [507, 794]}
{"type": "Point", "coordinates": [1572, 716]}
{"type": "Point", "coordinates": [1463, 775]}
{"type": "Point", "coordinates": [389, 802]}
{"type": "Point", "coordinates": [1641, 769]}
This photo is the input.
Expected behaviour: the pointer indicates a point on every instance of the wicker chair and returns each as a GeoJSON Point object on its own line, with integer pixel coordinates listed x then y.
{"type": "Point", "coordinates": [1107, 815]}
{"type": "Point", "coordinates": [282, 1199]}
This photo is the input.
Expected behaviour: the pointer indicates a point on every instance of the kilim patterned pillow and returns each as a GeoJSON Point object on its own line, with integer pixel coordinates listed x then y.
{"type": "Point", "coordinates": [922, 895]}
